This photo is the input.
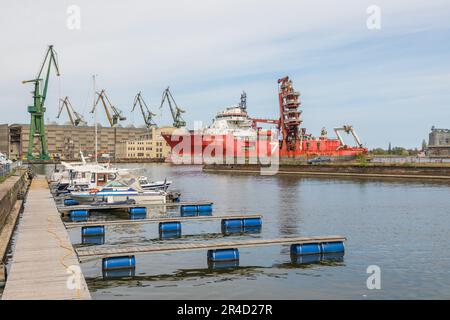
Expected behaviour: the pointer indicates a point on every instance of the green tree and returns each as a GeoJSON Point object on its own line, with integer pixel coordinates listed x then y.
{"type": "Point", "coordinates": [424, 145]}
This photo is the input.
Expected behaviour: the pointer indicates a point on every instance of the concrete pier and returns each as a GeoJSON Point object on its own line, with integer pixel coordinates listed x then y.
{"type": "Point", "coordinates": [44, 263]}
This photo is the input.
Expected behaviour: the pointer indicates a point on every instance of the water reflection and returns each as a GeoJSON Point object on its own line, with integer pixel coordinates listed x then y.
{"type": "Point", "coordinates": [119, 274]}
{"type": "Point", "coordinates": [93, 240]}
{"type": "Point", "coordinates": [326, 258]}
{"type": "Point", "coordinates": [230, 269]}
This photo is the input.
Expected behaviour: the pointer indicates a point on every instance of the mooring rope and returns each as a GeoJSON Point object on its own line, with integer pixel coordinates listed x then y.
{"type": "Point", "coordinates": [61, 244]}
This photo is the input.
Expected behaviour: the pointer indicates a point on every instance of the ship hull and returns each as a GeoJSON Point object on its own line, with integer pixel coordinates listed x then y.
{"type": "Point", "coordinates": [215, 148]}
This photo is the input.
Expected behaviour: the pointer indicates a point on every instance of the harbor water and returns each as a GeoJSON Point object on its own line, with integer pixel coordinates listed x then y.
{"type": "Point", "coordinates": [400, 226]}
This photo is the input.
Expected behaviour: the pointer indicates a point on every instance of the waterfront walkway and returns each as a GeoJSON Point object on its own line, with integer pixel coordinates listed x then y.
{"type": "Point", "coordinates": [44, 263]}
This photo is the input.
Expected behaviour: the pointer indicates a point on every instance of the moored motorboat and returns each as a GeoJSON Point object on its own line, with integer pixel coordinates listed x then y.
{"type": "Point", "coordinates": [120, 191]}
{"type": "Point", "coordinates": [153, 185]}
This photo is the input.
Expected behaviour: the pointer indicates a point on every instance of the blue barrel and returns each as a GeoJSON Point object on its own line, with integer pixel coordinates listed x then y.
{"type": "Point", "coordinates": [78, 219]}
{"type": "Point", "coordinates": [188, 208]}
{"type": "Point", "coordinates": [220, 265]}
{"type": "Point", "coordinates": [121, 273]}
{"type": "Point", "coordinates": [79, 213]}
{"type": "Point", "coordinates": [170, 235]}
{"type": "Point", "coordinates": [70, 202]}
{"type": "Point", "coordinates": [306, 248]}
{"type": "Point", "coordinates": [328, 247]}
{"type": "Point", "coordinates": [306, 259]}
{"type": "Point", "coordinates": [137, 216]}
{"type": "Point", "coordinates": [93, 231]}
{"type": "Point", "coordinates": [97, 240]}
{"type": "Point", "coordinates": [252, 222]}
{"type": "Point", "coordinates": [137, 210]}
{"type": "Point", "coordinates": [205, 213]}
{"type": "Point", "coordinates": [189, 213]}
{"type": "Point", "coordinates": [205, 208]}
{"type": "Point", "coordinates": [117, 263]}
{"type": "Point", "coordinates": [170, 226]}
{"type": "Point", "coordinates": [232, 224]}
{"type": "Point", "coordinates": [223, 255]}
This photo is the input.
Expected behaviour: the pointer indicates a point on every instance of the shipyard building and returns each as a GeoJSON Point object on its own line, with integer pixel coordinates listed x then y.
{"type": "Point", "coordinates": [149, 146]}
{"type": "Point", "coordinates": [66, 141]}
{"type": "Point", "coordinates": [438, 143]}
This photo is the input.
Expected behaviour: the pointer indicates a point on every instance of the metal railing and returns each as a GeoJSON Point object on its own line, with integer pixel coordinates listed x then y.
{"type": "Point", "coordinates": [408, 159]}
{"type": "Point", "coordinates": [7, 168]}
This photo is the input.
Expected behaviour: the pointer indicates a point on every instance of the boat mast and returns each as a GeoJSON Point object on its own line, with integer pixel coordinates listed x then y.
{"type": "Point", "coordinates": [95, 119]}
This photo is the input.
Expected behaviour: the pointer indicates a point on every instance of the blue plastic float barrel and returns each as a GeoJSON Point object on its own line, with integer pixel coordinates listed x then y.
{"type": "Point", "coordinates": [170, 226]}
{"type": "Point", "coordinates": [252, 222]}
{"type": "Point", "coordinates": [189, 213]}
{"type": "Point", "coordinates": [79, 213]}
{"type": "Point", "coordinates": [137, 210]}
{"type": "Point", "coordinates": [205, 208]}
{"type": "Point", "coordinates": [117, 263]}
{"type": "Point", "coordinates": [232, 223]}
{"type": "Point", "coordinates": [170, 235]}
{"type": "Point", "coordinates": [223, 255]}
{"type": "Point", "coordinates": [188, 208]}
{"type": "Point", "coordinates": [329, 247]}
{"type": "Point", "coordinates": [78, 219]}
{"type": "Point", "coordinates": [121, 273]}
{"type": "Point", "coordinates": [70, 202]}
{"type": "Point", "coordinates": [97, 240]}
{"type": "Point", "coordinates": [305, 248]}
{"type": "Point", "coordinates": [93, 231]}
{"type": "Point", "coordinates": [316, 248]}
{"type": "Point", "coordinates": [196, 208]}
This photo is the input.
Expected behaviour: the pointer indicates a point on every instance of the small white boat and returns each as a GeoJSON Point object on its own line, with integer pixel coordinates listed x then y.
{"type": "Point", "coordinates": [153, 185]}
{"type": "Point", "coordinates": [120, 191]}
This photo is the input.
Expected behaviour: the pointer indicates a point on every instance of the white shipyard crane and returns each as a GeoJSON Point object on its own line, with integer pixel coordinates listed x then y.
{"type": "Point", "coordinates": [347, 129]}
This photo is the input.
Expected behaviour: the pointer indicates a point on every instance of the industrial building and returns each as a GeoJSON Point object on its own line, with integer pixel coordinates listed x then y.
{"type": "Point", "coordinates": [66, 141]}
{"type": "Point", "coordinates": [149, 146]}
{"type": "Point", "coordinates": [438, 143]}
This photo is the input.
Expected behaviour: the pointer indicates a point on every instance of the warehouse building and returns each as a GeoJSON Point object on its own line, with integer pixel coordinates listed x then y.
{"type": "Point", "coordinates": [149, 146]}
{"type": "Point", "coordinates": [438, 143]}
{"type": "Point", "coordinates": [66, 141]}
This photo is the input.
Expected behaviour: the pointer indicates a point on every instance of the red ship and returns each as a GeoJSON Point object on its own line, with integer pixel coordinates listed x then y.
{"type": "Point", "coordinates": [233, 134]}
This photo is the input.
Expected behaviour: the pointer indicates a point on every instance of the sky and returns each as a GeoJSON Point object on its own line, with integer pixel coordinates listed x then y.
{"type": "Point", "coordinates": [392, 84]}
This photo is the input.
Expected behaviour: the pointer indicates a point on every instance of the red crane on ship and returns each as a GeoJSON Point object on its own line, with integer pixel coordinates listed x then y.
{"type": "Point", "coordinates": [290, 121]}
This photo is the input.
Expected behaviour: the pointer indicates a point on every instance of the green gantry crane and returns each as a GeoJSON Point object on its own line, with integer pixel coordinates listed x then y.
{"type": "Point", "coordinates": [37, 110]}
{"type": "Point", "coordinates": [146, 113]}
{"type": "Point", "coordinates": [178, 121]}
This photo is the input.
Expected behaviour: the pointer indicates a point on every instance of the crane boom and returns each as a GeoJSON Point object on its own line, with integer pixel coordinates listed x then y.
{"type": "Point", "coordinates": [347, 129]}
{"type": "Point", "coordinates": [146, 113]}
{"type": "Point", "coordinates": [37, 110]}
{"type": "Point", "coordinates": [117, 114]}
{"type": "Point", "coordinates": [75, 118]}
{"type": "Point", "coordinates": [176, 111]}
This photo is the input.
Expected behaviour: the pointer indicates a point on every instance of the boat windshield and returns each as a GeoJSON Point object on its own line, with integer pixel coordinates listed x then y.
{"type": "Point", "coordinates": [115, 184]}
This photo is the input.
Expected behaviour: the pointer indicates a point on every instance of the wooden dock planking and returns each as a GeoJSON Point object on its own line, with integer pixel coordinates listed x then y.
{"type": "Point", "coordinates": [120, 251]}
{"type": "Point", "coordinates": [42, 252]}
{"type": "Point", "coordinates": [70, 225]}
{"type": "Point", "coordinates": [64, 209]}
